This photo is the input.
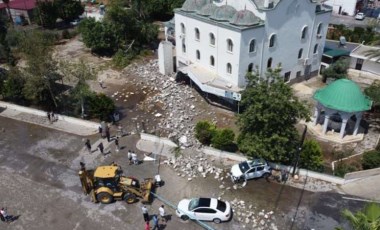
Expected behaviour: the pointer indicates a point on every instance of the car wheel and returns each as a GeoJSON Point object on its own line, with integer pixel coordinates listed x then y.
{"type": "Point", "coordinates": [266, 175]}
{"type": "Point", "coordinates": [217, 221]}
{"type": "Point", "coordinates": [184, 217]}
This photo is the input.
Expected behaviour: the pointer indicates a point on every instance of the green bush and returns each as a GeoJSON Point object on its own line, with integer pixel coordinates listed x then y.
{"type": "Point", "coordinates": [101, 107]}
{"type": "Point", "coordinates": [311, 156]}
{"type": "Point", "coordinates": [371, 159]}
{"type": "Point", "coordinates": [120, 60]}
{"type": "Point", "coordinates": [204, 132]}
{"type": "Point", "coordinates": [223, 139]}
{"type": "Point", "coordinates": [343, 168]}
{"type": "Point", "coordinates": [66, 34]}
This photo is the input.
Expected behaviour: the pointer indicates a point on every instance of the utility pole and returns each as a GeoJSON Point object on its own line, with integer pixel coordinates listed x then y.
{"type": "Point", "coordinates": [298, 152]}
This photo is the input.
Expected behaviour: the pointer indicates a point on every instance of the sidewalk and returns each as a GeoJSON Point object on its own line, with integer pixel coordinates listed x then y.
{"type": "Point", "coordinates": [38, 117]}
{"type": "Point", "coordinates": [368, 188]}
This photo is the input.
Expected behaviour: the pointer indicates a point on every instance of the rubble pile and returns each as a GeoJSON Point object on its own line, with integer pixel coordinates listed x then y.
{"type": "Point", "coordinates": [176, 101]}
{"type": "Point", "coordinates": [251, 218]}
{"type": "Point", "coordinates": [195, 166]}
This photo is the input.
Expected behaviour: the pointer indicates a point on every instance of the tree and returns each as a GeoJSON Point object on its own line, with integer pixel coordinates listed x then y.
{"type": "Point", "coordinates": [311, 156]}
{"type": "Point", "coordinates": [13, 84]}
{"type": "Point", "coordinates": [100, 106]}
{"type": "Point", "coordinates": [80, 73]}
{"type": "Point", "coordinates": [223, 139]}
{"type": "Point", "coordinates": [270, 111]}
{"type": "Point", "coordinates": [373, 92]}
{"type": "Point", "coordinates": [69, 10]}
{"type": "Point", "coordinates": [101, 37]}
{"type": "Point", "coordinates": [41, 69]}
{"type": "Point", "coordinates": [336, 70]}
{"type": "Point", "coordinates": [366, 219]}
{"type": "Point", "coordinates": [48, 13]}
{"type": "Point", "coordinates": [204, 132]}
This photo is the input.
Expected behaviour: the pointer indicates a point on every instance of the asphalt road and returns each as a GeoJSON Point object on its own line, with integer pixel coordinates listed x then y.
{"type": "Point", "coordinates": [39, 185]}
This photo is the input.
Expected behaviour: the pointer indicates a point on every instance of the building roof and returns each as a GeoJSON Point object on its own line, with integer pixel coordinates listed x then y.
{"type": "Point", "coordinates": [362, 52]}
{"type": "Point", "coordinates": [335, 52]}
{"type": "Point", "coordinates": [208, 9]}
{"type": "Point", "coordinates": [334, 44]}
{"type": "Point", "coordinates": [244, 18]}
{"type": "Point", "coordinates": [343, 95]}
{"type": "Point", "coordinates": [223, 13]}
{"type": "Point", "coordinates": [20, 4]}
{"type": "Point", "coordinates": [193, 5]}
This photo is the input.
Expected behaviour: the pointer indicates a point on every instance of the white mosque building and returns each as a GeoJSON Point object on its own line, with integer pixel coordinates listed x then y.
{"type": "Point", "coordinates": [218, 41]}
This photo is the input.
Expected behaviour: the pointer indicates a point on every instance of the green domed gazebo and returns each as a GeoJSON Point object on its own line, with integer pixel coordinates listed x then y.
{"type": "Point", "coordinates": [342, 97]}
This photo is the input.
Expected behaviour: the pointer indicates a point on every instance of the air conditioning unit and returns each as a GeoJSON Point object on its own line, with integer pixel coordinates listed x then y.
{"type": "Point", "coordinates": [319, 35]}
{"type": "Point", "coordinates": [306, 61]}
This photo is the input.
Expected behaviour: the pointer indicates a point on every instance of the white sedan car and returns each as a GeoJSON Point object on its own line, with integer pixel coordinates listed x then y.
{"type": "Point", "coordinates": [208, 209]}
{"type": "Point", "coordinates": [360, 16]}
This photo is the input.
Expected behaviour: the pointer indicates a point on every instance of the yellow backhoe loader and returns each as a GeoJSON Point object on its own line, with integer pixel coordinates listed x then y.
{"type": "Point", "coordinates": [106, 184]}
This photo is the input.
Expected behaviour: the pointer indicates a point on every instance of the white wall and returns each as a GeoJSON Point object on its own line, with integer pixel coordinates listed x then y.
{"type": "Point", "coordinates": [219, 51]}
{"type": "Point", "coordinates": [348, 6]}
{"type": "Point", "coordinates": [371, 66]}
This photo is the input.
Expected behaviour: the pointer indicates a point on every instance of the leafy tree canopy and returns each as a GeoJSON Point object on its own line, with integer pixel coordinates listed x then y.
{"type": "Point", "coordinates": [366, 219]}
{"type": "Point", "coordinates": [311, 156]}
{"type": "Point", "coordinates": [270, 111]}
{"type": "Point", "coordinates": [374, 92]}
{"type": "Point", "coordinates": [337, 70]}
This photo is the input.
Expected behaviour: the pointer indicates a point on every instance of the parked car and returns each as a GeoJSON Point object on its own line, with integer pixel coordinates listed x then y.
{"type": "Point", "coordinates": [75, 22]}
{"type": "Point", "coordinates": [250, 169]}
{"type": "Point", "coordinates": [207, 209]}
{"type": "Point", "coordinates": [360, 16]}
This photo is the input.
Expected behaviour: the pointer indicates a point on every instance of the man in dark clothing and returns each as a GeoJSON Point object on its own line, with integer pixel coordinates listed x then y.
{"type": "Point", "coordinates": [101, 147]}
{"type": "Point", "coordinates": [108, 135]}
{"type": "Point", "coordinates": [88, 145]}
{"type": "Point", "coordinates": [117, 144]}
{"type": "Point", "coordinates": [145, 213]}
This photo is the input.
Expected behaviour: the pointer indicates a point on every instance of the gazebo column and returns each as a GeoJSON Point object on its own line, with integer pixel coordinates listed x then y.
{"type": "Point", "coordinates": [357, 124]}
{"type": "Point", "coordinates": [317, 112]}
{"type": "Point", "coordinates": [325, 123]}
{"type": "Point", "coordinates": [343, 125]}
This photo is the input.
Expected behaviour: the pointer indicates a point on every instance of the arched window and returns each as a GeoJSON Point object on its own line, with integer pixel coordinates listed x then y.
{"type": "Point", "coordinates": [272, 40]}
{"type": "Point", "coordinates": [198, 55]}
{"type": "Point", "coordinates": [300, 53]}
{"type": "Point", "coordinates": [269, 63]}
{"type": "Point", "coordinates": [197, 34]}
{"type": "Point", "coordinates": [252, 46]}
{"type": "Point", "coordinates": [229, 68]}
{"type": "Point", "coordinates": [230, 45]}
{"type": "Point", "coordinates": [304, 32]}
{"type": "Point", "coordinates": [183, 46]}
{"type": "Point", "coordinates": [319, 30]}
{"type": "Point", "coordinates": [212, 61]}
{"type": "Point", "coordinates": [250, 67]}
{"type": "Point", "coordinates": [212, 39]}
{"type": "Point", "coordinates": [315, 48]}
{"type": "Point", "coordinates": [183, 30]}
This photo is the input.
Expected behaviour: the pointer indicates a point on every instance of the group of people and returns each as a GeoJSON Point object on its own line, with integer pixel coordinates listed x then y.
{"type": "Point", "coordinates": [132, 158]}
{"type": "Point", "coordinates": [51, 117]}
{"type": "Point", "coordinates": [155, 219]}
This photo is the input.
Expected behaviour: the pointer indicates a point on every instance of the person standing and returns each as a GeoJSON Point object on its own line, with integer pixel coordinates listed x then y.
{"type": "Point", "coordinates": [101, 148]}
{"type": "Point", "coordinates": [100, 131]}
{"type": "Point", "coordinates": [108, 135]}
{"type": "Point", "coordinates": [52, 116]}
{"type": "Point", "coordinates": [155, 222]}
{"type": "Point", "coordinates": [130, 157]}
{"type": "Point", "coordinates": [101, 83]}
{"type": "Point", "coordinates": [161, 210]}
{"type": "Point", "coordinates": [3, 212]}
{"type": "Point", "coordinates": [145, 213]}
{"type": "Point", "coordinates": [48, 116]}
{"type": "Point", "coordinates": [88, 145]}
{"type": "Point", "coordinates": [117, 144]}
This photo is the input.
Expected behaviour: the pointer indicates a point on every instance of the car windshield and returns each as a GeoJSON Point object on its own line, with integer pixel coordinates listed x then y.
{"type": "Point", "coordinates": [193, 204]}
{"type": "Point", "coordinates": [221, 206]}
{"type": "Point", "coordinates": [243, 167]}
{"type": "Point", "coordinates": [199, 202]}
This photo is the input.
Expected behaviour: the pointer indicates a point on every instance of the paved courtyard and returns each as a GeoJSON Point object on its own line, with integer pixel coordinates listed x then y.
{"type": "Point", "coordinates": [39, 184]}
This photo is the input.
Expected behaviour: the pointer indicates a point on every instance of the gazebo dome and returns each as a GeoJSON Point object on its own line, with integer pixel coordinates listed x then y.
{"type": "Point", "coordinates": [223, 13]}
{"type": "Point", "coordinates": [244, 18]}
{"type": "Point", "coordinates": [207, 10]}
{"type": "Point", "coordinates": [193, 5]}
{"type": "Point", "coordinates": [343, 95]}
